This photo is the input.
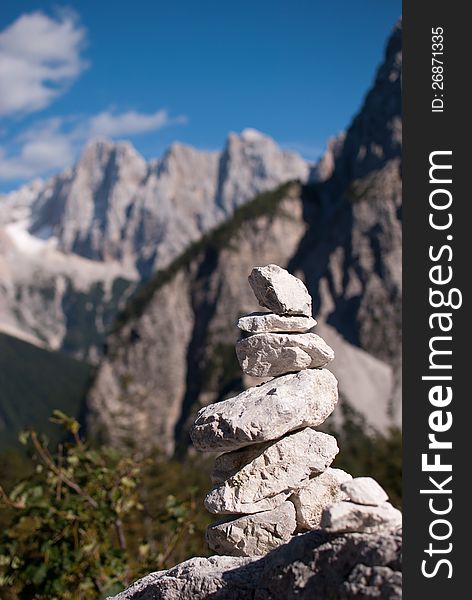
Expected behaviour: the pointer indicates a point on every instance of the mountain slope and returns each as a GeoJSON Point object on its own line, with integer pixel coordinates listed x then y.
{"type": "Point", "coordinates": [173, 350]}
{"type": "Point", "coordinates": [33, 382]}
{"type": "Point", "coordinates": [81, 242]}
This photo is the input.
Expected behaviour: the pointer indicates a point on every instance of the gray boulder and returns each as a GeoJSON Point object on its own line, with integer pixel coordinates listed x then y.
{"type": "Point", "coordinates": [345, 516]}
{"type": "Point", "coordinates": [266, 412]}
{"type": "Point", "coordinates": [272, 323]}
{"type": "Point", "coordinates": [280, 467]}
{"type": "Point", "coordinates": [311, 566]}
{"type": "Point", "coordinates": [273, 354]}
{"type": "Point", "coordinates": [253, 535]}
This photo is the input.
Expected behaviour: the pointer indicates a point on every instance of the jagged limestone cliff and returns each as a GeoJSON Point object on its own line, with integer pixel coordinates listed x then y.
{"type": "Point", "coordinates": [72, 249]}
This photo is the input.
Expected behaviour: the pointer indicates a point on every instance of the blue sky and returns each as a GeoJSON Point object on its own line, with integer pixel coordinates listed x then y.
{"type": "Point", "coordinates": [154, 72]}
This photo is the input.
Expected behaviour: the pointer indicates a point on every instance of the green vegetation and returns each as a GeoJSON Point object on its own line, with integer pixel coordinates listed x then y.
{"type": "Point", "coordinates": [82, 522]}
{"type": "Point", "coordinates": [33, 382]}
{"type": "Point", "coordinates": [85, 522]}
{"type": "Point", "coordinates": [266, 204]}
{"type": "Point", "coordinates": [81, 313]}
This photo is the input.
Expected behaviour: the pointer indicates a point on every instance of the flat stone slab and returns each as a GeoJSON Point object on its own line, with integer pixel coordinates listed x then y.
{"type": "Point", "coordinates": [272, 323]}
{"type": "Point", "coordinates": [274, 354]}
{"type": "Point", "coordinates": [277, 469]}
{"type": "Point", "coordinates": [320, 492]}
{"type": "Point", "coordinates": [365, 490]}
{"type": "Point", "coordinates": [266, 412]}
{"type": "Point", "coordinates": [279, 291]}
{"type": "Point", "coordinates": [344, 517]}
{"type": "Point", "coordinates": [253, 535]}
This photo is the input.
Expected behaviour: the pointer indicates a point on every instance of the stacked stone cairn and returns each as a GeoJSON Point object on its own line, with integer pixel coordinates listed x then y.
{"type": "Point", "coordinates": [273, 479]}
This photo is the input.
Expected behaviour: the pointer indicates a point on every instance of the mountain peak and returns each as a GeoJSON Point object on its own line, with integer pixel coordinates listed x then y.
{"type": "Point", "coordinates": [253, 135]}
{"type": "Point", "coordinates": [98, 152]}
{"type": "Point", "coordinates": [375, 134]}
{"type": "Point", "coordinates": [252, 162]}
{"type": "Point", "coordinates": [180, 151]}
{"type": "Point", "coordinates": [250, 138]}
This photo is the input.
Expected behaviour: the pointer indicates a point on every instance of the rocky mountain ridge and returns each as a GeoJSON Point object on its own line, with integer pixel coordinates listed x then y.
{"type": "Point", "coordinates": [74, 247]}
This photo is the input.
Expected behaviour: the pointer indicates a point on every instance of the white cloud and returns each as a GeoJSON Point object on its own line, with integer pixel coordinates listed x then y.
{"type": "Point", "coordinates": [113, 125]}
{"type": "Point", "coordinates": [39, 58]}
{"type": "Point", "coordinates": [53, 144]}
{"type": "Point", "coordinates": [43, 148]}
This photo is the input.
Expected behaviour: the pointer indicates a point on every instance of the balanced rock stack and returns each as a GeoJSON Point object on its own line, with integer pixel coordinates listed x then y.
{"type": "Point", "coordinates": [273, 478]}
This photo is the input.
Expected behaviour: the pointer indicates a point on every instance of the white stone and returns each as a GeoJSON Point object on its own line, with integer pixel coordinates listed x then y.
{"type": "Point", "coordinates": [272, 323]}
{"type": "Point", "coordinates": [253, 535]}
{"type": "Point", "coordinates": [320, 492]}
{"type": "Point", "coordinates": [229, 463]}
{"type": "Point", "coordinates": [365, 490]}
{"type": "Point", "coordinates": [277, 469]}
{"type": "Point", "coordinates": [344, 517]}
{"type": "Point", "coordinates": [230, 505]}
{"type": "Point", "coordinates": [273, 354]}
{"type": "Point", "coordinates": [266, 412]}
{"type": "Point", "coordinates": [279, 291]}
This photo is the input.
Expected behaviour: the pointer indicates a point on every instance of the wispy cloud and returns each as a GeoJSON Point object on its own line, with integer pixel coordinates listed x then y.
{"type": "Point", "coordinates": [39, 57]}
{"type": "Point", "coordinates": [114, 125]}
{"type": "Point", "coordinates": [37, 150]}
{"type": "Point", "coordinates": [53, 144]}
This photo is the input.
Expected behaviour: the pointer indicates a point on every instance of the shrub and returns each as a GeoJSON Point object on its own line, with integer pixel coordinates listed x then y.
{"type": "Point", "coordinates": [77, 526]}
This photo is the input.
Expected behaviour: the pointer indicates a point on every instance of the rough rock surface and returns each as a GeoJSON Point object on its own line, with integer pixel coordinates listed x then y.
{"type": "Point", "coordinates": [319, 493]}
{"type": "Point", "coordinates": [365, 490]}
{"type": "Point", "coordinates": [311, 566]}
{"type": "Point", "coordinates": [253, 535]}
{"type": "Point", "coordinates": [216, 502]}
{"type": "Point", "coordinates": [266, 412]}
{"type": "Point", "coordinates": [273, 354]}
{"type": "Point", "coordinates": [279, 291]}
{"type": "Point", "coordinates": [350, 517]}
{"type": "Point", "coordinates": [272, 323]}
{"type": "Point", "coordinates": [282, 466]}
{"type": "Point", "coordinates": [229, 463]}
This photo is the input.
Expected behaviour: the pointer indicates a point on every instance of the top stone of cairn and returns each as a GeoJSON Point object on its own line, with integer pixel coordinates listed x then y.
{"type": "Point", "coordinates": [279, 291]}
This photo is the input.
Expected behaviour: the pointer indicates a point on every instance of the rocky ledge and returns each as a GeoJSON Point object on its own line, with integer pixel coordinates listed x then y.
{"type": "Point", "coordinates": [313, 565]}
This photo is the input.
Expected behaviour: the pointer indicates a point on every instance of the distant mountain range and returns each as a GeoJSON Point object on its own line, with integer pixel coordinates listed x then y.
{"type": "Point", "coordinates": [157, 255]}
{"type": "Point", "coordinates": [73, 248]}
